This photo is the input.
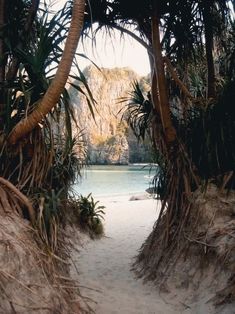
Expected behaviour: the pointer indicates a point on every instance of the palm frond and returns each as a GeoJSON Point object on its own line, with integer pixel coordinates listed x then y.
{"type": "Point", "coordinates": [138, 111]}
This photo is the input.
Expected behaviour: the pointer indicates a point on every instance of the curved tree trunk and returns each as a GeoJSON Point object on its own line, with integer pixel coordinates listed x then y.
{"type": "Point", "coordinates": [2, 61]}
{"type": "Point", "coordinates": [2, 65]}
{"type": "Point", "coordinates": [133, 35]}
{"type": "Point", "coordinates": [177, 80]}
{"type": "Point", "coordinates": [13, 68]}
{"type": "Point", "coordinates": [206, 11]}
{"type": "Point", "coordinates": [164, 107]}
{"type": "Point", "coordinates": [154, 84]}
{"type": "Point", "coordinates": [54, 91]}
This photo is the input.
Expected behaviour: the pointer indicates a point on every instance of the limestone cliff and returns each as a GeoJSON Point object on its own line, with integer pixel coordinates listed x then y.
{"type": "Point", "coordinates": [108, 136]}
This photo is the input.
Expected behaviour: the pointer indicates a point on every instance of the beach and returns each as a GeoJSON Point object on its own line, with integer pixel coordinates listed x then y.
{"type": "Point", "coordinates": [106, 281]}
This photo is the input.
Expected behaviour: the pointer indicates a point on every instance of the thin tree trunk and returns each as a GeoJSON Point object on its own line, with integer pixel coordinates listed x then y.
{"type": "Point", "coordinates": [154, 84]}
{"type": "Point", "coordinates": [209, 49]}
{"type": "Point", "coordinates": [175, 77]}
{"type": "Point", "coordinates": [133, 35]}
{"type": "Point", "coordinates": [164, 107]}
{"type": "Point", "coordinates": [155, 93]}
{"type": "Point", "coordinates": [2, 60]}
{"type": "Point", "coordinates": [2, 65]}
{"type": "Point", "coordinates": [32, 14]}
{"type": "Point", "coordinates": [54, 91]}
{"type": "Point", "coordinates": [11, 74]}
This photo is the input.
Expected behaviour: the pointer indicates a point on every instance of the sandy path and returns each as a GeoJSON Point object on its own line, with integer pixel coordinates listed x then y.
{"type": "Point", "coordinates": [104, 265]}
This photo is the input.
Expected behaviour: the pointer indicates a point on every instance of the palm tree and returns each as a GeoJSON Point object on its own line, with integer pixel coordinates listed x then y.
{"type": "Point", "coordinates": [52, 95]}
{"type": "Point", "coordinates": [190, 39]}
{"type": "Point", "coordinates": [39, 158]}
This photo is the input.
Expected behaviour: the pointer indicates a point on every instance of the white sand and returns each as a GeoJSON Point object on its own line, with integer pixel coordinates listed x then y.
{"type": "Point", "coordinates": [104, 265]}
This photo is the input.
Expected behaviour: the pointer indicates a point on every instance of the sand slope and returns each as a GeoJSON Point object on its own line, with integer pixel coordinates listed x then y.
{"type": "Point", "coordinates": [104, 265]}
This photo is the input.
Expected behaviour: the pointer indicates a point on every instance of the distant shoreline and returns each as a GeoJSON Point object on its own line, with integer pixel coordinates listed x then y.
{"type": "Point", "coordinates": [124, 164]}
{"type": "Point", "coordinates": [113, 180]}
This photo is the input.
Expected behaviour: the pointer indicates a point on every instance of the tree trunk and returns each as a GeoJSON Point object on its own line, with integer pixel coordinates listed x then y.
{"type": "Point", "coordinates": [154, 84]}
{"type": "Point", "coordinates": [54, 91]}
{"type": "Point", "coordinates": [175, 77]}
{"type": "Point", "coordinates": [2, 65]}
{"type": "Point", "coordinates": [13, 68]}
{"type": "Point", "coordinates": [164, 107]}
{"type": "Point", "coordinates": [2, 61]}
{"type": "Point", "coordinates": [209, 49]}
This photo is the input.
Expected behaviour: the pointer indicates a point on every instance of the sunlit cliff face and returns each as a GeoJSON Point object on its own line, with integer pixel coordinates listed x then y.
{"type": "Point", "coordinates": [109, 138]}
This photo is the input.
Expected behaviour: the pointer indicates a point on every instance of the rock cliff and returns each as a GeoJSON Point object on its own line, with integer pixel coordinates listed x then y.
{"type": "Point", "coordinates": [108, 137]}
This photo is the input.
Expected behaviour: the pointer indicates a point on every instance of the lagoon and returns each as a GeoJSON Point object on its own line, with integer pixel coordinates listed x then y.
{"type": "Point", "coordinates": [114, 180]}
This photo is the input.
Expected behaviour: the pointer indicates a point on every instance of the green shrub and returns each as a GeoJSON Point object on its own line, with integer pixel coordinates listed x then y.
{"type": "Point", "coordinates": [90, 214]}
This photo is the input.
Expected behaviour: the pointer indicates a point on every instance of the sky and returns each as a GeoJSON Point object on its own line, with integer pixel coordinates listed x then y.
{"type": "Point", "coordinates": [117, 52]}
{"type": "Point", "coordinates": [112, 52]}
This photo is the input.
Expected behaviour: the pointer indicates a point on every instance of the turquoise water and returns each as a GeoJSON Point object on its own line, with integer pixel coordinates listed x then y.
{"type": "Point", "coordinates": [114, 180]}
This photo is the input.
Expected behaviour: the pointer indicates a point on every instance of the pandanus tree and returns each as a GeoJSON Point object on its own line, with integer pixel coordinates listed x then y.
{"type": "Point", "coordinates": [37, 155]}
{"type": "Point", "coordinates": [54, 91]}
{"type": "Point", "coordinates": [180, 36]}
{"type": "Point", "coordinates": [185, 25]}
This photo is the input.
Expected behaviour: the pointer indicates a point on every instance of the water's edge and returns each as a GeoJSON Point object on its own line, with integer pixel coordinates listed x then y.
{"type": "Point", "coordinates": [119, 180]}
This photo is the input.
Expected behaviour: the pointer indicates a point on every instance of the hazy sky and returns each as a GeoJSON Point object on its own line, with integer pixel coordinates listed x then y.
{"type": "Point", "coordinates": [114, 52]}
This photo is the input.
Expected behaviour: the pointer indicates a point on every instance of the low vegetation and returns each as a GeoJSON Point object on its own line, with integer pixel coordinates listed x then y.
{"type": "Point", "coordinates": [87, 213]}
{"type": "Point", "coordinates": [91, 214]}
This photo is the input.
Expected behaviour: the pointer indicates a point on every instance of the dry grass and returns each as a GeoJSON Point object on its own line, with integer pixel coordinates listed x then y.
{"type": "Point", "coordinates": [202, 257]}
{"type": "Point", "coordinates": [31, 279]}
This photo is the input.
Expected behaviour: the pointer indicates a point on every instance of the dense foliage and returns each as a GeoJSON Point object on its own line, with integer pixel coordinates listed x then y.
{"type": "Point", "coordinates": [188, 112]}
{"type": "Point", "coordinates": [47, 161]}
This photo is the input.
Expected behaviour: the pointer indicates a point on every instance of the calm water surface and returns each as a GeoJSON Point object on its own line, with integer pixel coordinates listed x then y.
{"type": "Point", "coordinates": [114, 180]}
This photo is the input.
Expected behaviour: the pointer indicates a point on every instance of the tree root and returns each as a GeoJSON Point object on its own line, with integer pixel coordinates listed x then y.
{"type": "Point", "coordinates": [15, 193]}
